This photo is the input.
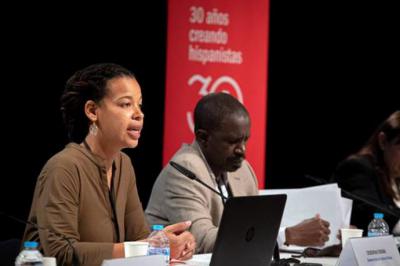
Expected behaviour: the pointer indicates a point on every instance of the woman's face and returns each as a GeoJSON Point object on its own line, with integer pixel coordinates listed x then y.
{"type": "Point", "coordinates": [120, 118]}
{"type": "Point", "coordinates": [392, 157]}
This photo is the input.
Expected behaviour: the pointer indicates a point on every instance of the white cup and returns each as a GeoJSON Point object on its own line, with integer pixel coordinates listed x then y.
{"type": "Point", "coordinates": [49, 261]}
{"type": "Point", "coordinates": [135, 248]}
{"type": "Point", "coordinates": [349, 233]}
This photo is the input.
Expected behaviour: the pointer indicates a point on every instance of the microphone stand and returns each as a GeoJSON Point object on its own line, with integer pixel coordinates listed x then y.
{"type": "Point", "coordinates": [186, 172]}
{"type": "Point", "coordinates": [75, 260]}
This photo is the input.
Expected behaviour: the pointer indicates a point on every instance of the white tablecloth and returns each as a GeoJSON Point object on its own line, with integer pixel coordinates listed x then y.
{"type": "Point", "coordinates": [204, 260]}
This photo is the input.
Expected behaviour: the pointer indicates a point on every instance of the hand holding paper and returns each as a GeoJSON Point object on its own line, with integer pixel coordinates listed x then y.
{"type": "Point", "coordinates": [310, 232]}
{"type": "Point", "coordinates": [325, 200]}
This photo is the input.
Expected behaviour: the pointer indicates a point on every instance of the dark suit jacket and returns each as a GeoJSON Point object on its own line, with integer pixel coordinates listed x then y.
{"type": "Point", "coordinates": [359, 176]}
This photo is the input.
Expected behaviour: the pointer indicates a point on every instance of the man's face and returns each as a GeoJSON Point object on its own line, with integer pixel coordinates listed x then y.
{"type": "Point", "coordinates": [225, 148]}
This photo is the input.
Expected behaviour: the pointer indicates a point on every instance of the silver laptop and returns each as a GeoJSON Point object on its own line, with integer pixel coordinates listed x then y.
{"type": "Point", "coordinates": [248, 231]}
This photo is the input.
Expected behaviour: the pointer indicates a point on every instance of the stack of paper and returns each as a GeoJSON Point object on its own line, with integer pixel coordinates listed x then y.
{"type": "Point", "coordinates": [305, 203]}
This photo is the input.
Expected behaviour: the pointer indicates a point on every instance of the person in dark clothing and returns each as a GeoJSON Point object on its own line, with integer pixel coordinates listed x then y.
{"type": "Point", "coordinates": [373, 173]}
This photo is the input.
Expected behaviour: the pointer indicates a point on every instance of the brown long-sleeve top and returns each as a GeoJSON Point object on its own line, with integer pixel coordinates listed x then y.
{"type": "Point", "coordinates": [72, 198]}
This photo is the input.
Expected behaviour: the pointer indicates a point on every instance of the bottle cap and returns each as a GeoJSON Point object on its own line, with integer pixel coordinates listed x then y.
{"type": "Point", "coordinates": [378, 215]}
{"type": "Point", "coordinates": [157, 227]}
{"type": "Point", "coordinates": [31, 244]}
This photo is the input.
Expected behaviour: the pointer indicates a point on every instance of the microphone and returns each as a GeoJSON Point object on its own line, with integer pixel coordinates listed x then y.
{"type": "Point", "coordinates": [186, 172]}
{"type": "Point", "coordinates": [75, 261]}
{"type": "Point", "coordinates": [357, 197]}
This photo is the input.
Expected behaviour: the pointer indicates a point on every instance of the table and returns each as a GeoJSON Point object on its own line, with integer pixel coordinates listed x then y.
{"type": "Point", "coordinates": [204, 260]}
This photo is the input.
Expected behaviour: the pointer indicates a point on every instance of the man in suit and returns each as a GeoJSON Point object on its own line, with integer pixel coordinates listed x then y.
{"type": "Point", "coordinates": [217, 157]}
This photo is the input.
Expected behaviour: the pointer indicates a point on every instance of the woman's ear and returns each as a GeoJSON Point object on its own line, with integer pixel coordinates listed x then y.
{"type": "Point", "coordinates": [382, 140]}
{"type": "Point", "coordinates": [91, 110]}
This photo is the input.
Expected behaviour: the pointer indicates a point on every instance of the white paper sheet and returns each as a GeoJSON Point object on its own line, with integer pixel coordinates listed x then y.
{"type": "Point", "coordinates": [305, 203]}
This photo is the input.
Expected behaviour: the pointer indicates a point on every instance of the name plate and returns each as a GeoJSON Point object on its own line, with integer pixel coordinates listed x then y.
{"type": "Point", "coordinates": [370, 251]}
{"type": "Point", "coordinates": [154, 260]}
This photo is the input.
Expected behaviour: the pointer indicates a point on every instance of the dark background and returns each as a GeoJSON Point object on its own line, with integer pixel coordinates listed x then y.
{"type": "Point", "coordinates": [333, 76]}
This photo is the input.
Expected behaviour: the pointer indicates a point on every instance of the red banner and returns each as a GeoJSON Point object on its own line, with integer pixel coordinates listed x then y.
{"type": "Point", "coordinates": [216, 45]}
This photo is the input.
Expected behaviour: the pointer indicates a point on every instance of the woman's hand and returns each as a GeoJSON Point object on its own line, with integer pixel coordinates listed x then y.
{"type": "Point", "coordinates": [118, 250]}
{"type": "Point", "coordinates": [182, 242]}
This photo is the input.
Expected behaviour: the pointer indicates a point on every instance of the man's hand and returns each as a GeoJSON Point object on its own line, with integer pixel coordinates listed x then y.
{"type": "Point", "coordinates": [310, 232]}
{"type": "Point", "coordinates": [182, 242]}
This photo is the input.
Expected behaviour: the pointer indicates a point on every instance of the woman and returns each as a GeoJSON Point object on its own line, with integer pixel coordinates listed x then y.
{"type": "Point", "coordinates": [86, 195]}
{"type": "Point", "coordinates": [373, 173]}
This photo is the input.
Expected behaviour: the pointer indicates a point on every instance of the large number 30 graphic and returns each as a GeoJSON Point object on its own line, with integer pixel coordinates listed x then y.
{"type": "Point", "coordinates": [224, 83]}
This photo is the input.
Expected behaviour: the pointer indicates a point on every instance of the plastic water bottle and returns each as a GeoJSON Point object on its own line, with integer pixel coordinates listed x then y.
{"type": "Point", "coordinates": [378, 226]}
{"type": "Point", "coordinates": [30, 255]}
{"type": "Point", "coordinates": [159, 243]}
